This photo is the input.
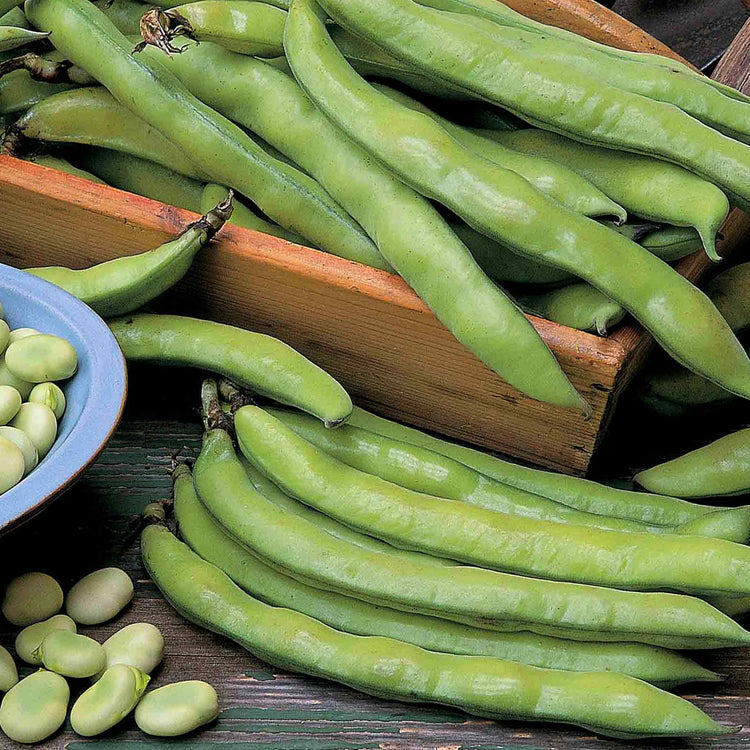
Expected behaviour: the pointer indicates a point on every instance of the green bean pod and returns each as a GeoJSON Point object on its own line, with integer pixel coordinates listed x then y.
{"type": "Point", "coordinates": [92, 117]}
{"type": "Point", "coordinates": [562, 184]}
{"type": "Point", "coordinates": [122, 285]}
{"type": "Point", "coordinates": [671, 243]}
{"type": "Point", "coordinates": [61, 165]}
{"type": "Point", "coordinates": [217, 146]}
{"type": "Point", "coordinates": [13, 37]}
{"type": "Point", "coordinates": [125, 14]}
{"type": "Point", "coordinates": [477, 536]}
{"type": "Point", "coordinates": [720, 468]}
{"type": "Point", "coordinates": [543, 92]}
{"type": "Point", "coordinates": [252, 360]}
{"type": "Point", "coordinates": [207, 538]}
{"type": "Point", "coordinates": [648, 75]}
{"type": "Point", "coordinates": [503, 205]}
{"type": "Point", "coordinates": [735, 606]}
{"type": "Point", "coordinates": [482, 598]}
{"type": "Point", "coordinates": [646, 187]}
{"type": "Point", "coordinates": [250, 28]}
{"type": "Point", "coordinates": [410, 233]}
{"type": "Point", "coordinates": [578, 306]}
{"type": "Point", "coordinates": [206, 596]}
{"type": "Point", "coordinates": [424, 471]}
{"type": "Point", "coordinates": [573, 491]}
{"type": "Point", "coordinates": [19, 92]}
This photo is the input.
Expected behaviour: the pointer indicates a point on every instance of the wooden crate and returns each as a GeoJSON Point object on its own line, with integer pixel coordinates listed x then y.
{"type": "Point", "coordinates": [365, 326]}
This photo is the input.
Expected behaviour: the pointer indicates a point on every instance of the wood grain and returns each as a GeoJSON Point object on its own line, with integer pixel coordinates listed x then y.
{"type": "Point", "coordinates": [365, 326]}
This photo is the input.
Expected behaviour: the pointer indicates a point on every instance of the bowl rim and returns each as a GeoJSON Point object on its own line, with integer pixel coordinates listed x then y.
{"type": "Point", "coordinates": [78, 310]}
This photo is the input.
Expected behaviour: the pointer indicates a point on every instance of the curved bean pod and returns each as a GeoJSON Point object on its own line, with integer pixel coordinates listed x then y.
{"type": "Point", "coordinates": [720, 468]}
{"type": "Point", "coordinates": [574, 491]}
{"type": "Point", "coordinates": [411, 235]}
{"type": "Point", "coordinates": [206, 596]}
{"type": "Point", "coordinates": [477, 536]}
{"type": "Point", "coordinates": [424, 471]}
{"type": "Point", "coordinates": [650, 75]}
{"type": "Point", "coordinates": [498, 202]}
{"type": "Point", "coordinates": [61, 165]}
{"type": "Point", "coordinates": [12, 37]}
{"type": "Point", "coordinates": [122, 285]}
{"type": "Point", "coordinates": [564, 185]}
{"type": "Point", "coordinates": [217, 146]}
{"type": "Point", "coordinates": [649, 188]}
{"type": "Point", "coordinates": [252, 360]}
{"type": "Point", "coordinates": [544, 92]}
{"type": "Point", "coordinates": [483, 598]}
{"type": "Point", "coordinates": [207, 538]}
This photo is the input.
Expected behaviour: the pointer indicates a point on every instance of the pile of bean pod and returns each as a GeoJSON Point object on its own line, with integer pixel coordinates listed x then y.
{"type": "Point", "coordinates": [31, 402]}
{"type": "Point", "coordinates": [117, 671]}
{"type": "Point", "coordinates": [397, 134]}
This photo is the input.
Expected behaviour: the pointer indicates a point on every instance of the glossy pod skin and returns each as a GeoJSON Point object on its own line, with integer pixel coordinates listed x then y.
{"type": "Point", "coordinates": [176, 709]}
{"type": "Point", "coordinates": [108, 701]}
{"type": "Point", "coordinates": [253, 360]}
{"type": "Point", "coordinates": [425, 471]}
{"type": "Point", "coordinates": [486, 321]}
{"type": "Point", "coordinates": [292, 640]}
{"type": "Point", "coordinates": [720, 468]}
{"type": "Point", "coordinates": [12, 37]}
{"type": "Point", "coordinates": [207, 538]}
{"type": "Point", "coordinates": [646, 187]}
{"type": "Point", "coordinates": [251, 28]}
{"type": "Point", "coordinates": [475, 535]}
{"type": "Point", "coordinates": [578, 306]}
{"type": "Point", "coordinates": [483, 598]}
{"type": "Point", "coordinates": [673, 84]}
{"type": "Point", "coordinates": [573, 491]}
{"type": "Point", "coordinates": [558, 182]}
{"type": "Point", "coordinates": [122, 285]}
{"type": "Point", "coordinates": [92, 117]}
{"type": "Point", "coordinates": [30, 598]}
{"type": "Point", "coordinates": [217, 146]}
{"type": "Point", "coordinates": [541, 91]}
{"type": "Point", "coordinates": [35, 708]}
{"type": "Point", "coordinates": [516, 214]}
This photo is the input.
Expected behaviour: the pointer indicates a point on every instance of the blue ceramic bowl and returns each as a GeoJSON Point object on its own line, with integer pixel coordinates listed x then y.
{"type": "Point", "coordinates": [95, 395]}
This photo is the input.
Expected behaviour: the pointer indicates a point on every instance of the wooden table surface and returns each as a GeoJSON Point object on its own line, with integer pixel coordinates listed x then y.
{"type": "Point", "coordinates": [95, 524]}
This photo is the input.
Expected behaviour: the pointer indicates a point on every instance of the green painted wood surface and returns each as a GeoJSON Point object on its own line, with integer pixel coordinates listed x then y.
{"type": "Point", "coordinates": [264, 708]}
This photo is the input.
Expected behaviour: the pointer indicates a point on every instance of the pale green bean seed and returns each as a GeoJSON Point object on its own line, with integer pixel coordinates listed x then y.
{"type": "Point", "coordinates": [21, 333]}
{"type": "Point", "coordinates": [8, 378]}
{"type": "Point", "coordinates": [12, 465]}
{"type": "Point", "coordinates": [30, 638]}
{"type": "Point", "coordinates": [99, 596]}
{"type": "Point", "coordinates": [72, 655]}
{"type": "Point", "coordinates": [4, 335]}
{"type": "Point", "coordinates": [10, 403]}
{"type": "Point", "coordinates": [35, 708]}
{"type": "Point", "coordinates": [49, 394]}
{"type": "Point", "coordinates": [177, 709]}
{"type": "Point", "coordinates": [138, 645]}
{"type": "Point", "coordinates": [42, 357]}
{"type": "Point", "coordinates": [108, 701]}
{"type": "Point", "coordinates": [30, 598]}
{"type": "Point", "coordinates": [8, 671]}
{"type": "Point", "coordinates": [39, 423]}
{"type": "Point", "coordinates": [23, 441]}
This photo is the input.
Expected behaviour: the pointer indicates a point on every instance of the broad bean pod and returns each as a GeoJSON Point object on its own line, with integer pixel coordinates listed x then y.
{"type": "Point", "coordinates": [205, 595]}
{"type": "Point", "coordinates": [720, 468]}
{"type": "Point", "coordinates": [411, 234]}
{"type": "Point", "coordinates": [583, 494]}
{"type": "Point", "coordinates": [555, 180]}
{"type": "Point", "coordinates": [477, 536]}
{"type": "Point", "coordinates": [543, 92]}
{"type": "Point", "coordinates": [655, 76]}
{"type": "Point", "coordinates": [483, 598]}
{"type": "Point", "coordinates": [649, 188]}
{"type": "Point", "coordinates": [207, 538]}
{"type": "Point", "coordinates": [217, 146]}
{"type": "Point", "coordinates": [122, 285]}
{"type": "Point", "coordinates": [253, 360]}
{"type": "Point", "coordinates": [503, 205]}
{"type": "Point", "coordinates": [61, 165]}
